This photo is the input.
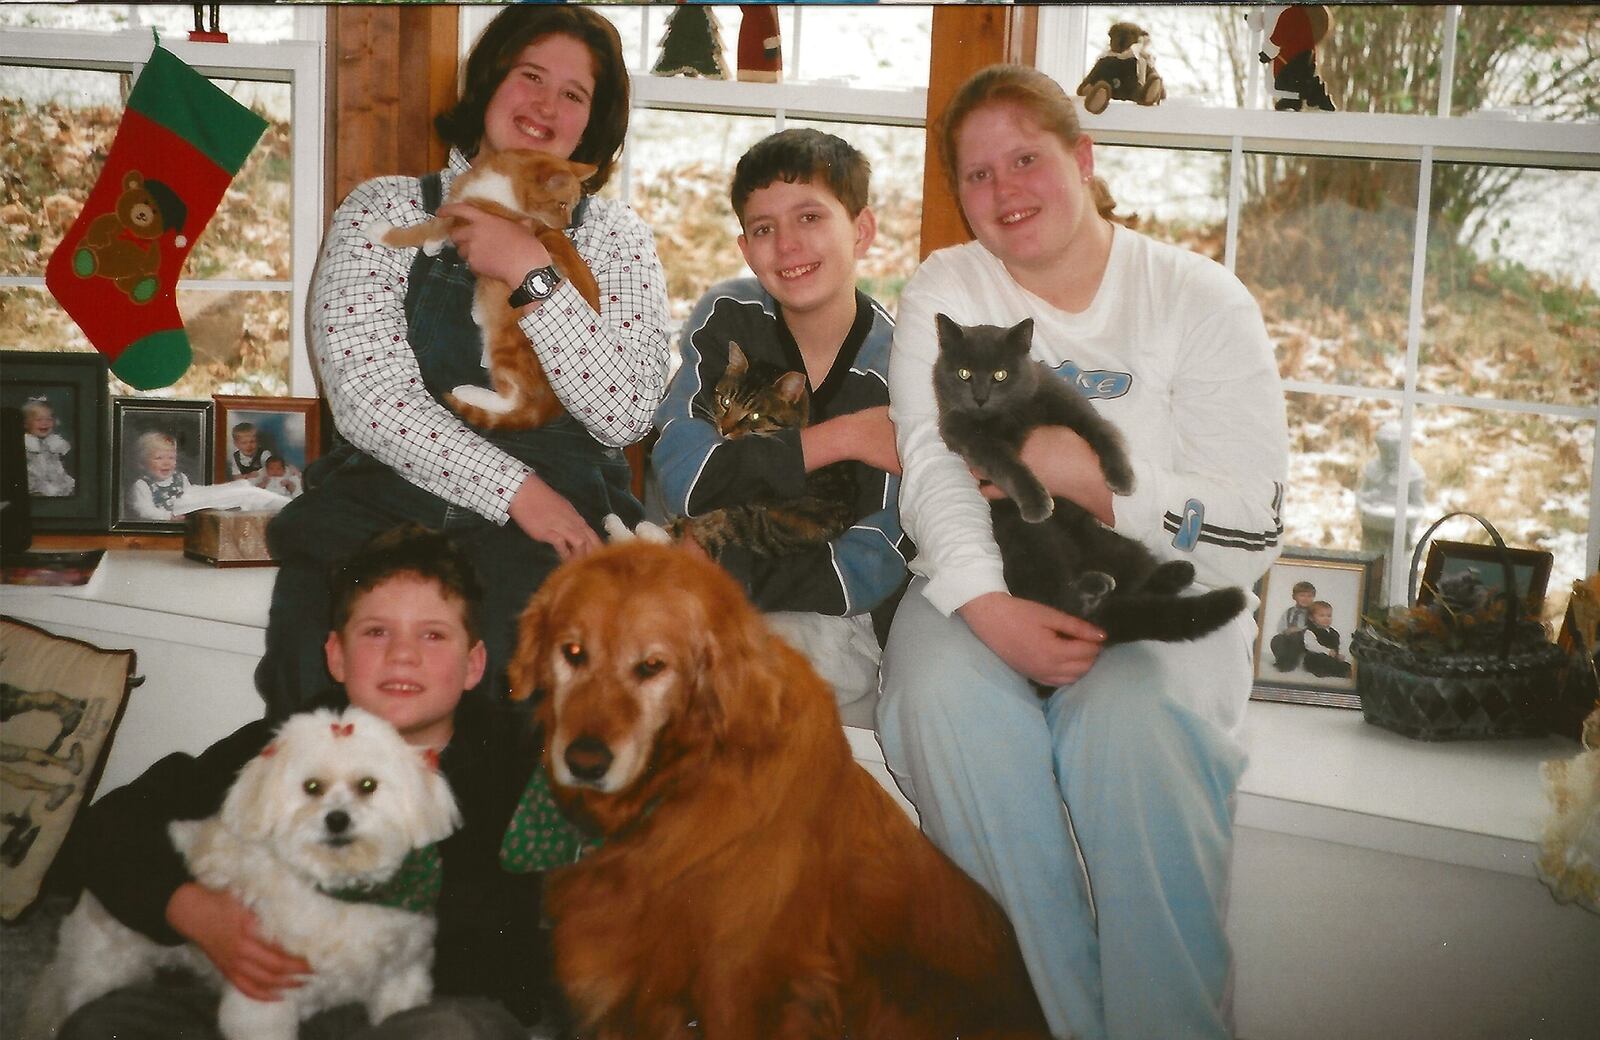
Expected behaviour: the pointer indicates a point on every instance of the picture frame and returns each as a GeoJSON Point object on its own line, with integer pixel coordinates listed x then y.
{"type": "Point", "coordinates": [289, 428]}
{"type": "Point", "coordinates": [73, 493]}
{"type": "Point", "coordinates": [137, 423]}
{"type": "Point", "coordinates": [1530, 570]}
{"type": "Point", "coordinates": [1351, 584]}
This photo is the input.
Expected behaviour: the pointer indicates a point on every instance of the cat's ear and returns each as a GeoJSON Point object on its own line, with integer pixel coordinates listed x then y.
{"type": "Point", "coordinates": [738, 364]}
{"type": "Point", "coordinates": [582, 171]}
{"type": "Point", "coordinates": [949, 331]}
{"type": "Point", "coordinates": [1022, 333]}
{"type": "Point", "coordinates": [791, 386]}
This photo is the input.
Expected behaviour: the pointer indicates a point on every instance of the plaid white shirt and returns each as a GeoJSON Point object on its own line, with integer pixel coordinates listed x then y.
{"type": "Point", "coordinates": [609, 371]}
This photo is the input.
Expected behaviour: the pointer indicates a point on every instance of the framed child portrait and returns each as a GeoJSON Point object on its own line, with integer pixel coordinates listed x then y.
{"type": "Point", "coordinates": [266, 440]}
{"type": "Point", "coordinates": [1312, 601]}
{"type": "Point", "coordinates": [159, 451]}
{"type": "Point", "coordinates": [61, 400]}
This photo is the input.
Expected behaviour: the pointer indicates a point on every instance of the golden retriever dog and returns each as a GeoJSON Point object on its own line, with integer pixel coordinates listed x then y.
{"type": "Point", "coordinates": [752, 880]}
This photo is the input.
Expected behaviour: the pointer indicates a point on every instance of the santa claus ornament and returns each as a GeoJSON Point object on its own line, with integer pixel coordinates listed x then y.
{"type": "Point", "coordinates": [1291, 34]}
{"type": "Point", "coordinates": [760, 57]}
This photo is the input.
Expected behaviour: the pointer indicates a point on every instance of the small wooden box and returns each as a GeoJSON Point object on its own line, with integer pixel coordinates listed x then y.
{"type": "Point", "coordinates": [227, 537]}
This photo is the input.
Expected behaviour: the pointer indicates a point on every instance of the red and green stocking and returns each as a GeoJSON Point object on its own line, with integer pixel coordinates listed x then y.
{"type": "Point", "coordinates": [181, 142]}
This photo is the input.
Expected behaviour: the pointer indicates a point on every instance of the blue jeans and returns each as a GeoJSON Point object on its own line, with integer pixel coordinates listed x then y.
{"type": "Point", "coordinates": [358, 497]}
{"type": "Point", "coordinates": [1130, 943]}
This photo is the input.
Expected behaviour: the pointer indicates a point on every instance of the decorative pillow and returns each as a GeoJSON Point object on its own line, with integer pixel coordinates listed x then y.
{"type": "Point", "coordinates": [60, 701]}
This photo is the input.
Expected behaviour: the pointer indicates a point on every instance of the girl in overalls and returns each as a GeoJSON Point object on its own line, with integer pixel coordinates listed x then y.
{"type": "Point", "coordinates": [392, 331]}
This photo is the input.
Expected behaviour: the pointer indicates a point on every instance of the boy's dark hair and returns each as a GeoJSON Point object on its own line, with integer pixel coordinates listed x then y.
{"type": "Point", "coordinates": [244, 427]}
{"type": "Point", "coordinates": [497, 49]}
{"type": "Point", "coordinates": [415, 551]}
{"type": "Point", "coordinates": [803, 154]}
{"type": "Point", "coordinates": [1303, 586]}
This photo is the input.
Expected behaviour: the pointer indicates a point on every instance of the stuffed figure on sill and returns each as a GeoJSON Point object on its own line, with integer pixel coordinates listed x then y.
{"type": "Point", "coordinates": [1290, 36]}
{"type": "Point", "coordinates": [1125, 72]}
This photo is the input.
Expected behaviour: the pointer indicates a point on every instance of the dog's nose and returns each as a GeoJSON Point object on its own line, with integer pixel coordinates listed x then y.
{"type": "Point", "coordinates": [588, 758]}
{"type": "Point", "coordinates": [337, 821]}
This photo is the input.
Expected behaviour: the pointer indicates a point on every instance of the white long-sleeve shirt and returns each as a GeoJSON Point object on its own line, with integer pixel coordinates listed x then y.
{"type": "Point", "coordinates": [617, 364]}
{"type": "Point", "coordinates": [1172, 350]}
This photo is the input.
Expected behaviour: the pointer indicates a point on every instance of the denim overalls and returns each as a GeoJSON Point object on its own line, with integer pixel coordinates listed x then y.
{"type": "Point", "coordinates": [351, 496]}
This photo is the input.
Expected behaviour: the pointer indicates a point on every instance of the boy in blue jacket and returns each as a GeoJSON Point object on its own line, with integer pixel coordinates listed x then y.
{"type": "Point", "coordinates": [801, 199]}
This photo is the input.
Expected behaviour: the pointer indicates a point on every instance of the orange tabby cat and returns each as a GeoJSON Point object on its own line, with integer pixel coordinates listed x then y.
{"type": "Point", "coordinates": [538, 191]}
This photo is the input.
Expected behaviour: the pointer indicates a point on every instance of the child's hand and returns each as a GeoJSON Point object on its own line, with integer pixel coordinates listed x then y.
{"type": "Point", "coordinates": [225, 931]}
{"type": "Point", "coordinates": [494, 246]}
{"type": "Point", "coordinates": [874, 439]}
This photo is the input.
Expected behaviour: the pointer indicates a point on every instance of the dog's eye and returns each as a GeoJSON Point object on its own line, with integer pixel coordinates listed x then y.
{"type": "Point", "coordinates": [366, 785]}
{"type": "Point", "coordinates": [312, 787]}
{"type": "Point", "coordinates": [648, 667]}
{"type": "Point", "coordinates": [574, 653]}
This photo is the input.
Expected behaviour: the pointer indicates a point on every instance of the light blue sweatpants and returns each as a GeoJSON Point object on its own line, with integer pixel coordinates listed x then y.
{"type": "Point", "coordinates": [1004, 780]}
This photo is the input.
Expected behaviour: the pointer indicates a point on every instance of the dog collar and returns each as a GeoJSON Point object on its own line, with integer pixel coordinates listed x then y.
{"type": "Point", "coordinates": [414, 887]}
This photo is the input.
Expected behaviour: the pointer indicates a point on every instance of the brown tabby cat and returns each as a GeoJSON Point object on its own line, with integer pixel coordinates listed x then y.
{"type": "Point", "coordinates": [538, 191]}
{"type": "Point", "coordinates": [754, 399]}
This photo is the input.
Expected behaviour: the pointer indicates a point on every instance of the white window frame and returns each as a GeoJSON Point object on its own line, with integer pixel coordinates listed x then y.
{"type": "Point", "coordinates": [301, 63]}
{"type": "Point", "coordinates": [1424, 139]}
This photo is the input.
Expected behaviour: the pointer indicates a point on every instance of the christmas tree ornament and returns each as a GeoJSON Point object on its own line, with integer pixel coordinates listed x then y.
{"type": "Point", "coordinates": [692, 44]}
{"type": "Point", "coordinates": [760, 57]}
{"type": "Point", "coordinates": [181, 141]}
{"type": "Point", "coordinates": [1126, 71]}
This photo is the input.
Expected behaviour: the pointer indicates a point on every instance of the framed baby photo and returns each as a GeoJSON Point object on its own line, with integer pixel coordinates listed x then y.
{"type": "Point", "coordinates": [266, 440]}
{"type": "Point", "coordinates": [1530, 570]}
{"type": "Point", "coordinates": [159, 451]}
{"type": "Point", "coordinates": [1312, 601]}
{"type": "Point", "coordinates": [60, 398]}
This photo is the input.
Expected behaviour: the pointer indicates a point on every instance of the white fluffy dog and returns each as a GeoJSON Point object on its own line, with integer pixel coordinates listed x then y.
{"type": "Point", "coordinates": [334, 804]}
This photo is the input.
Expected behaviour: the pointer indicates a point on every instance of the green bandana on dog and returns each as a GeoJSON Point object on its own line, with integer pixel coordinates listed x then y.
{"type": "Point", "coordinates": [414, 887]}
{"type": "Point", "coordinates": [540, 838]}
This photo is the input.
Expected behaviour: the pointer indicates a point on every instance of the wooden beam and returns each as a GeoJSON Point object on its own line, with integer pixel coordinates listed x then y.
{"type": "Point", "coordinates": [966, 37]}
{"type": "Point", "coordinates": [391, 70]}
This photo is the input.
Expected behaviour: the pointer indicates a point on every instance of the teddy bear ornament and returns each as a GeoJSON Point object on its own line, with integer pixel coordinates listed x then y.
{"type": "Point", "coordinates": [1125, 72]}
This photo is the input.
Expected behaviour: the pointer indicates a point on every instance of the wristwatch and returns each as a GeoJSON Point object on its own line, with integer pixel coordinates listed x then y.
{"type": "Point", "coordinates": [536, 285]}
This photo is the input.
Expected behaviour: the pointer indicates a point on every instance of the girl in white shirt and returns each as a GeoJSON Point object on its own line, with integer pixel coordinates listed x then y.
{"type": "Point", "coordinates": [1133, 755]}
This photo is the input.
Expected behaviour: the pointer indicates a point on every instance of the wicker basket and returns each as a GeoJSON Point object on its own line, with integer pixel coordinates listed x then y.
{"type": "Point", "coordinates": [1458, 696]}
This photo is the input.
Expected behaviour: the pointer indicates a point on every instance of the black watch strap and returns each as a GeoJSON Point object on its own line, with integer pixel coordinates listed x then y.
{"type": "Point", "coordinates": [538, 284]}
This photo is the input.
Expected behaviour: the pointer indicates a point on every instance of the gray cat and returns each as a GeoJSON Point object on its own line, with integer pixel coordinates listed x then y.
{"type": "Point", "coordinates": [991, 395]}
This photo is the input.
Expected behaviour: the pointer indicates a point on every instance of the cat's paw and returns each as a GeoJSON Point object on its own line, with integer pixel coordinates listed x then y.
{"type": "Point", "coordinates": [1118, 474]}
{"type": "Point", "coordinates": [1170, 577]}
{"type": "Point", "coordinates": [433, 246]}
{"type": "Point", "coordinates": [1091, 590]}
{"type": "Point", "coordinates": [480, 397]}
{"type": "Point", "coordinates": [617, 531]}
{"type": "Point", "coordinates": [378, 232]}
{"type": "Point", "coordinates": [1036, 507]}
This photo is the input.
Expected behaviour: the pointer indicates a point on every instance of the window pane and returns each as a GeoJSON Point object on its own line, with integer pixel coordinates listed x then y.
{"type": "Point", "coordinates": [895, 153]}
{"type": "Point", "coordinates": [682, 166]}
{"type": "Point", "coordinates": [1178, 196]}
{"type": "Point", "coordinates": [240, 339]}
{"type": "Point", "coordinates": [249, 235]}
{"type": "Point", "coordinates": [1325, 245]}
{"type": "Point", "coordinates": [1512, 309]}
{"type": "Point", "coordinates": [1196, 50]}
{"type": "Point", "coordinates": [244, 23]}
{"type": "Point", "coordinates": [1332, 501]}
{"type": "Point", "coordinates": [1529, 62]}
{"type": "Point", "coordinates": [872, 47]}
{"type": "Point", "coordinates": [1528, 475]}
{"type": "Point", "coordinates": [56, 128]}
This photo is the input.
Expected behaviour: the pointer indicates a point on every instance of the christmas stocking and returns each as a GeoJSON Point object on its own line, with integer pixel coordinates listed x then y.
{"type": "Point", "coordinates": [181, 141]}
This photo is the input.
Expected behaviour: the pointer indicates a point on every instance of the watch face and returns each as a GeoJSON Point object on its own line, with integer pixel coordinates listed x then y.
{"type": "Point", "coordinates": [540, 283]}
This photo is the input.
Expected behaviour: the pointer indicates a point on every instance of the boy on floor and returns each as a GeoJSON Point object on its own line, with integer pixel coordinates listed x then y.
{"type": "Point", "coordinates": [801, 200]}
{"type": "Point", "coordinates": [405, 645]}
